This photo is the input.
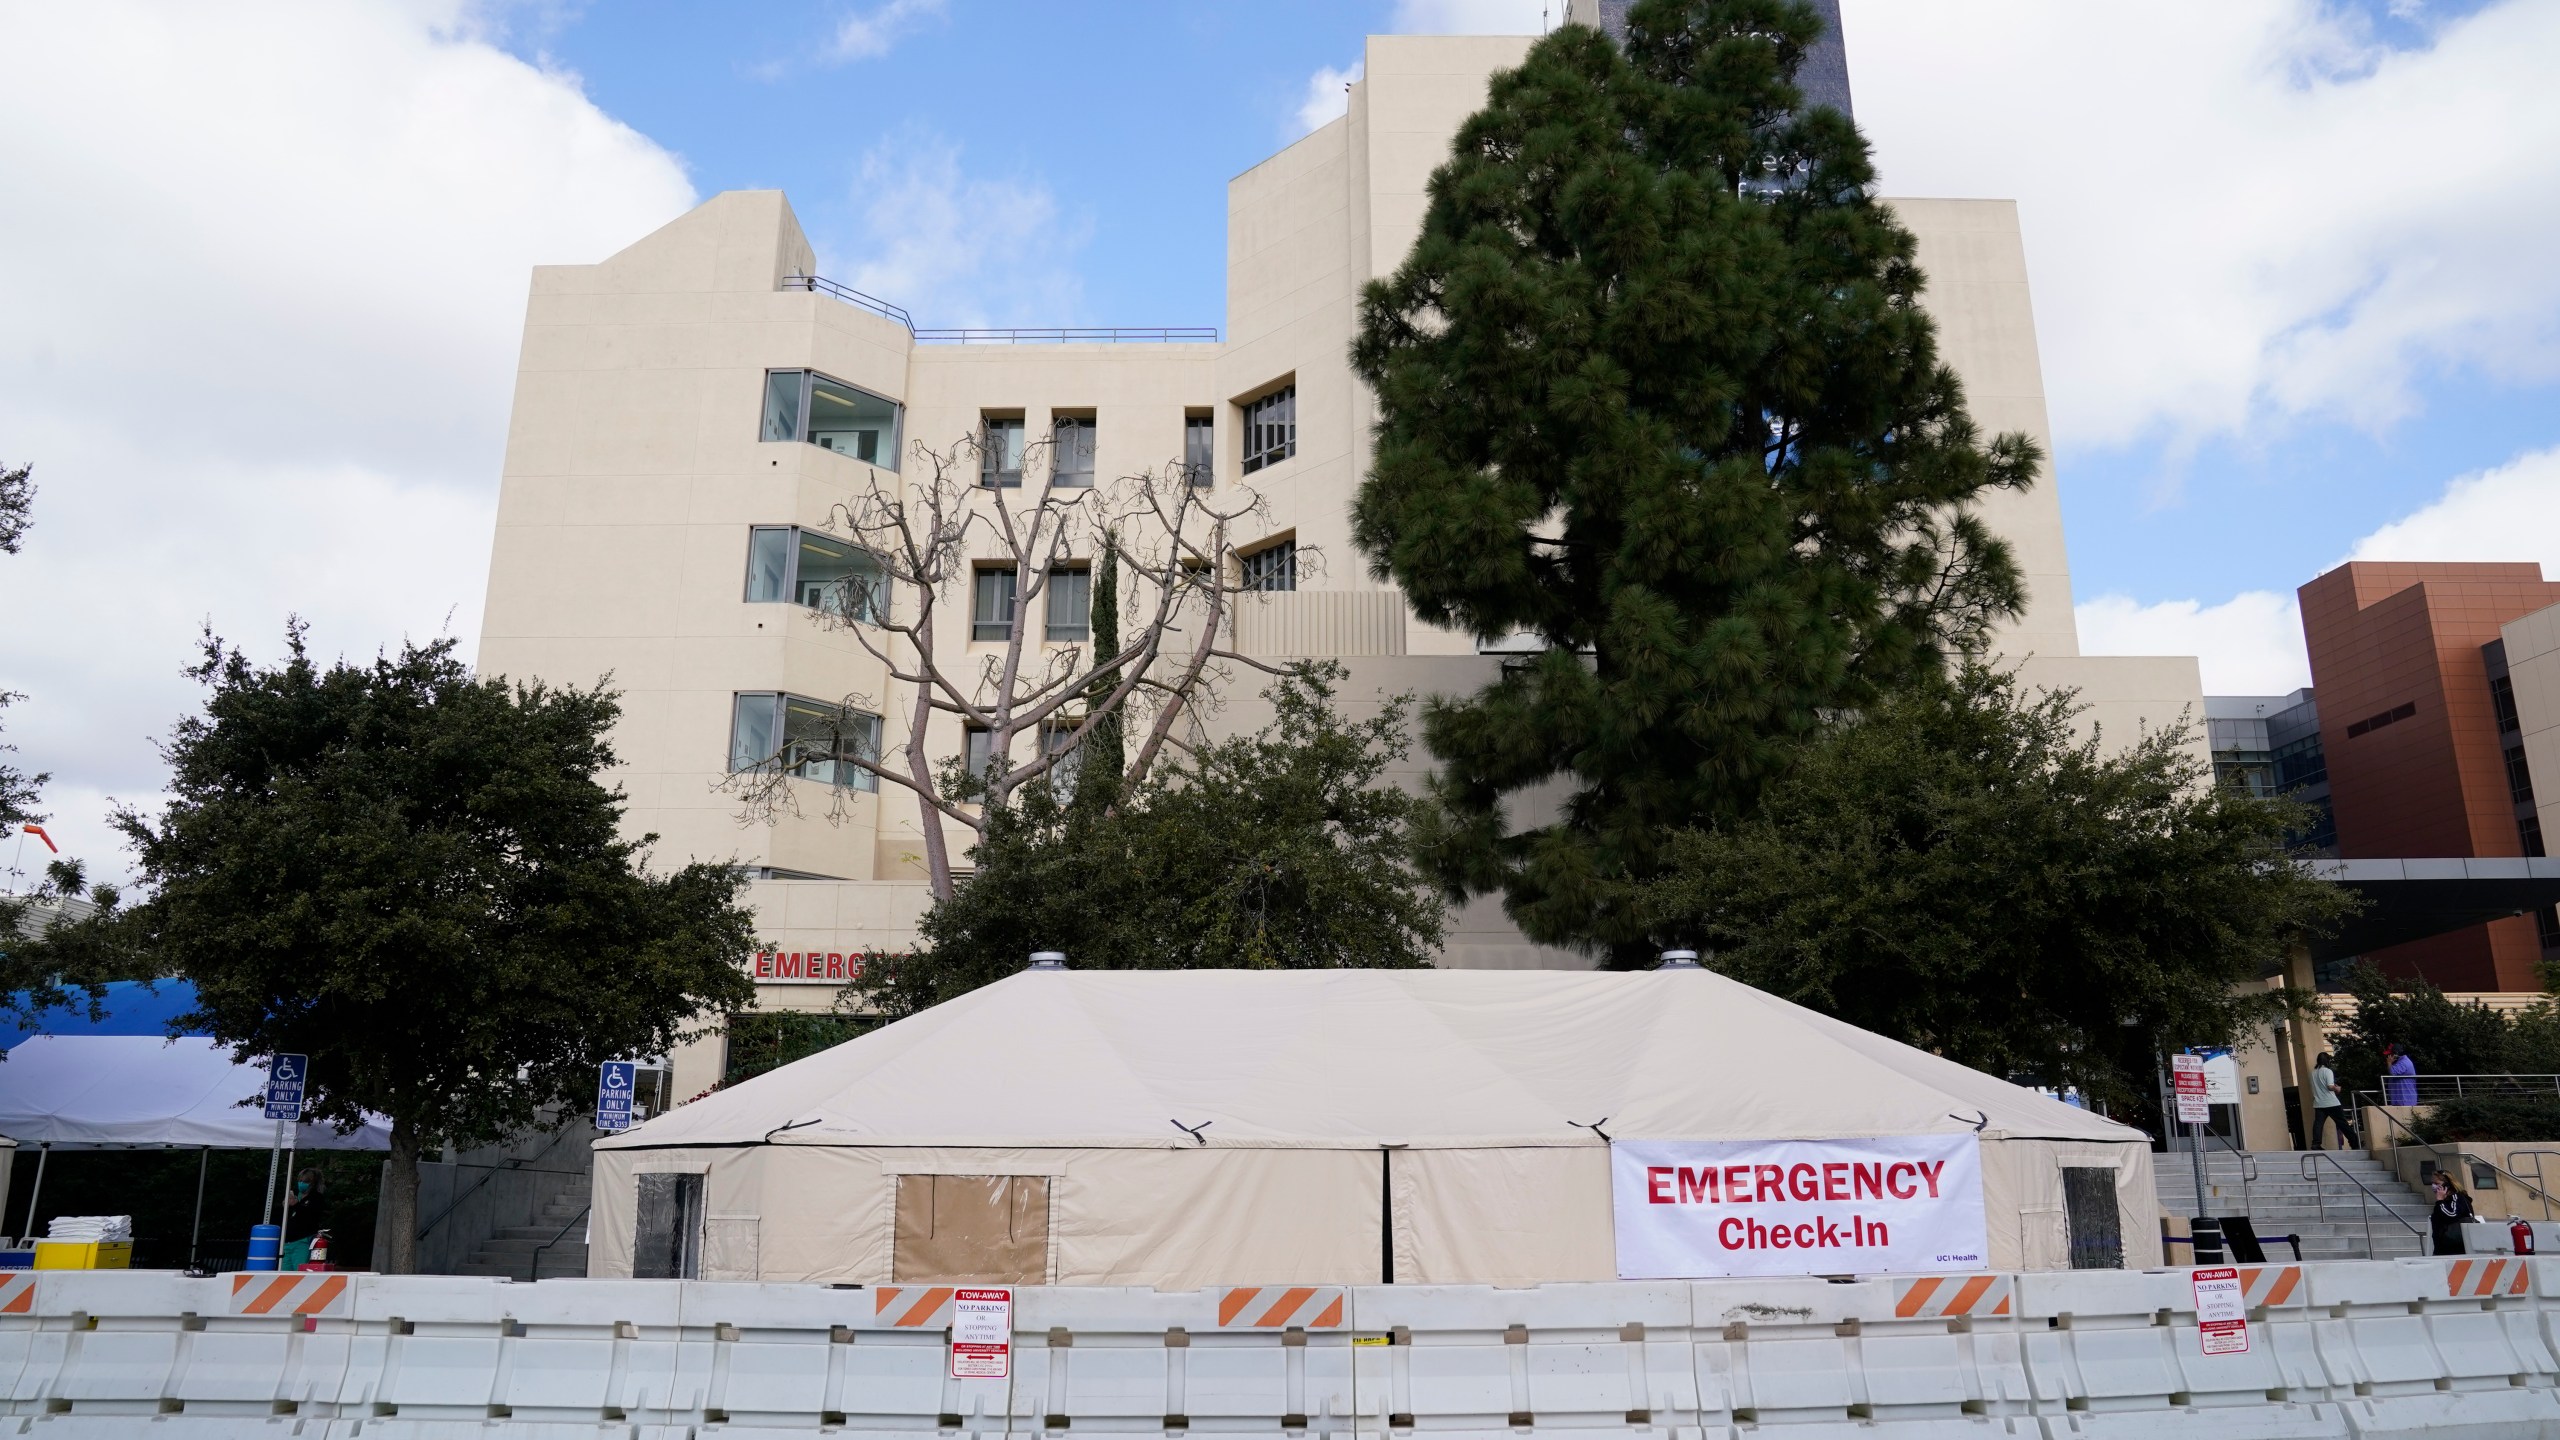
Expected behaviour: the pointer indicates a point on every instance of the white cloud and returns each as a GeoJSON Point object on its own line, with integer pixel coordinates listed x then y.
{"type": "Point", "coordinates": [2238, 215]}
{"type": "Point", "coordinates": [962, 250]}
{"type": "Point", "coordinates": [264, 276]}
{"type": "Point", "coordinates": [2509, 513]}
{"type": "Point", "coordinates": [1328, 97]}
{"type": "Point", "coordinates": [2251, 644]}
{"type": "Point", "coordinates": [870, 33]}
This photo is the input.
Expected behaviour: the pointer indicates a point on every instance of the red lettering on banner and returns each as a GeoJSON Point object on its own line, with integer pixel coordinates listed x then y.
{"type": "Point", "coordinates": [1697, 1186]}
{"type": "Point", "coordinates": [1835, 1181]}
{"type": "Point", "coordinates": [1770, 1182]}
{"type": "Point", "coordinates": [1929, 1171]}
{"type": "Point", "coordinates": [1778, 1237]}
{"type": "Point", "coordinates": [1657, 1179]}
{"type": "Point", "coordinates": [1736, 1232]}
{"type": "Point", "coordinates": [1735, 1177]}
{"type": "Point", "coordinates": [1801, 1184]}
{"type": "Point", "coordinates": [1866, 1180]}
{"type": "Point", "coordinates": [1897, 1181]}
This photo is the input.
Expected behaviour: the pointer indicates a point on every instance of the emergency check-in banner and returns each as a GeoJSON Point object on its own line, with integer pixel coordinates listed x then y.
{"type": "Point", "coordinates": [1690, 1209]}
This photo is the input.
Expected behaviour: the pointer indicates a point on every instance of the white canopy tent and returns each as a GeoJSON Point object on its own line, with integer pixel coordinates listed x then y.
{"type": "Point", "coordinates": [110, 1092]}
{"type": "Point", "coordinates": [1180, 1128]}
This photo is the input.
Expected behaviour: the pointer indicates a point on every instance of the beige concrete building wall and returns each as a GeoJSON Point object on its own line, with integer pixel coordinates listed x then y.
{"type": "Point", "coordinates": [2533, 669]}
{"type": "Point", "coordinates": [634, 470]}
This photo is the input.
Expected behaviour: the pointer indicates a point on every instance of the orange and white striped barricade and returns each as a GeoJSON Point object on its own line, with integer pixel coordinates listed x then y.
{"type": "Point", "coordinates": [2424, 1345]}
{"type": "Point", "coordinates": [900, 1364]}
{"type": "Point", "coordinates": [1910, 1349]}
{"type": "Point", "coordinates": [1560, 1357]}
{"type": "Point", "coordinates": [19, 1327]}
{"type": "Point", "coordinates": [2121, 1347]}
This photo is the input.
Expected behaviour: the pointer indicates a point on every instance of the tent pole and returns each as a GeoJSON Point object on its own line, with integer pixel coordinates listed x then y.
{"type": "Point", "coordinates": [204, 1161]}
{"type": "Point", "coordinates": [1386, 1216]}
{"type": "Point", "coordinates": [43, 1153]}
{"type": "Point", "coordinates": [267, 1211]}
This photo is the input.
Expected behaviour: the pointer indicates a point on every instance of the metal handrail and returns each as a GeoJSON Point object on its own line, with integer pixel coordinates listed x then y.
{"type": "Point", "coordinates": [2248, 1168]}
{"type": "Point", "coordinates": [1073, 335]}
{"type": "Point", "coordinates": [2433, 1087]}
{"type": "Point", "coordinates": [2365, 1201]}
{"type": "Point", "coordinates": [533, 1272]}
{"type": "Point", "coordinates": [522, 1165]}
{"type": "Point", "coordinates": [818, 285]}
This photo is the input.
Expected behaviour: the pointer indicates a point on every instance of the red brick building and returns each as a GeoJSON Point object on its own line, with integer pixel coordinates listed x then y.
{"type": "Point", "coordinates": [2417, 763]}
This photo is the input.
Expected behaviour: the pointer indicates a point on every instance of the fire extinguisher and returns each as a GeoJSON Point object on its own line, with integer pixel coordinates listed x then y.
{"type": "Point", "coordinates": [320, 1251]}
{"type": "Point", "coordinates": [2521, 1232]}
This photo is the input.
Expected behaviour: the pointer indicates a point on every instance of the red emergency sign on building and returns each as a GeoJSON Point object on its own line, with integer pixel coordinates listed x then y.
{"type": "Point", "coordinates": [832, 967]}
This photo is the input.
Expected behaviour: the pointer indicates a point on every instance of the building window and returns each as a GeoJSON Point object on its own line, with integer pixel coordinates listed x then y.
{"type": "Point", "coordinates": [1199, 449]}
{"type": "Point", "coordinates": [976, 748]}
{"type": "Point", "coordinates": [2529, 831]}
{"type": "Point", "coordinates": [1054, 740]}
{"type": "Point", "coordinates": [2393, 716]}
{"type": "Point", "coordinates": [809, 739]}
{"type": "Point", "coordinates": [1273, 567]}
{"type": "Point", "coordinates": [1000, 453]}
{"type": "Point", "coordinates": [2547, 921]}
{"type": "Point", "coordinates": [2519, 778]}
{"type": "Point", "coordinates": [2502, 694]}
{"type": "Point", "coordinates": [789, 564]}
{"type": "Point", "coordinates": [1071, 460]}
{"type": "Point", "coordinates": [804, 405]}
{"type": "Point", "coordinates": [991, 612]}
{"type": "Point", "coordinates": [1071, 604]}
{"type": "Point", "coordinates": [1271, 428]}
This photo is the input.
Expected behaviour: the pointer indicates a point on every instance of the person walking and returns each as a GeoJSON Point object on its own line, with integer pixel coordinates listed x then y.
{"type": "Point", "coordinates": [2400, 1077]}
{"type": "Point", "coordinates": [2452, 1207]}
{"type": "Point", "coordinates": [2326, 1109]}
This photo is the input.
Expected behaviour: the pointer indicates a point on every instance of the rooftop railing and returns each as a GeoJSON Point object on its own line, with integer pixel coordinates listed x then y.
{"type": "Point", "coordinates": [818, 285]}
{"type": "Point", "coordinates": [1071, 335]}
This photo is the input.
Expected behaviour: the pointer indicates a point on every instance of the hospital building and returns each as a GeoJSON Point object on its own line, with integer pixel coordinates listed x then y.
{"type": "Point", "coordinates": [690, 411]}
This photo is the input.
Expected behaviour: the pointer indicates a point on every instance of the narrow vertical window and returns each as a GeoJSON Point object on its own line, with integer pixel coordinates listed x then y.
{"type": "Point", "coordinates": [991, 615]}
{"type": "Point", "coordinates": [977, 748]}
{"type": "Point", "coordinates": [1000, 453]}
{"type": "Point", "coordinates": [782, 403]}
{"type": "Point", "coordinates": [1070, 604]}
{"type": "Point", "coordinates": [769, 562]}
{"type": "Point", "coordinates": [1072, 459]}
{"type": "Point", "coordinates": [754, 735]}
{"type": "Point", "coordinates": [1199, 449]}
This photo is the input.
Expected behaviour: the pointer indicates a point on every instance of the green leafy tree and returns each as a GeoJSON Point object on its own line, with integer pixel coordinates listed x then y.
{"type": "Point", "coordinates": [1959, 870]}
{"type": "Point", "coordinates": [20, 792]}
{"type": "Point", "coordinates": [2441, 1035]}
{"type": "Point", "coordinates": [1276, 850]}
{"type": "Point", "coordinates": [413, 876]}
{"type": "Point", "coordinates": [1655, 390]}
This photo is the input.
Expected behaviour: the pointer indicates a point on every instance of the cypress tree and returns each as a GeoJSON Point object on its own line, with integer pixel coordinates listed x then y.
{"type": "Point", "coordinates": [1098, 774]}
{"type": "Point", "coordinates": [1655, 390]}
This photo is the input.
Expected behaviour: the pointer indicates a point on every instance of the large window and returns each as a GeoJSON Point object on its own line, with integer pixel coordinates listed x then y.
{"type": "Point", "coordinates": [1270, 428]}
{"type": "Point", "coordinates": [788, 564]}
{"type": "Point", "coordinates": [1273, 567]}
{"type": "Point", "coordinates": [1070, 604]}
{"type": "Point", "coordinates": [1000, 453]}
{"type": "Point", "coordinates": [807, 738]}
{"type": "Point", "coordinates": [1071, 464]}
{"type": "Point", "coordinates": [991, 607]}
{"type": "Point", "coordinates": [666, 1228]}
{"type": "Point", "coordinates": [805, 405]}
{"type": "Point", "coordinates": [1199, 449]}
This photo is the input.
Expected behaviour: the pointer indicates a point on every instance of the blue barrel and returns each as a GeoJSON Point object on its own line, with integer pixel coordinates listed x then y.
{"type": "Point", "coordinates": [264, 1242]}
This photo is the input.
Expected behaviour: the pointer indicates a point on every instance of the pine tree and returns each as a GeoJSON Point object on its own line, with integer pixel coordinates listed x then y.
{"type": "Point", "coordinates": [1655, 389]}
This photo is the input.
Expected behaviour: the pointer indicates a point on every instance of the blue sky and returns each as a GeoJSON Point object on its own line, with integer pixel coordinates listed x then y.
{"type": "Point", "coordinates": [2291, 261]}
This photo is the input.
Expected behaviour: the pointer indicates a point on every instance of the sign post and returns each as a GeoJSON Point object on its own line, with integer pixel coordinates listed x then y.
{"type": "Point", "coordinates": [2222, 1311]}
{"type": "Point", "coordinates": [2195, 1107]}
{"type": "Point", "coordinates": [982, 1335]}
{"type": "Point", "coordinates": [614, 1085]}
{"type": "Point", "coordinates": [286, 1075]}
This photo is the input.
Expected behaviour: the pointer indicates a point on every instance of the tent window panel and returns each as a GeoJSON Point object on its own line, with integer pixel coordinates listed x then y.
{"type": "Point", "coordinates": [666, 1235]}
{"type": "Point", "coordinates": [2089, 1210]}
{"type": "Point", "coordinates": [952, 1228]}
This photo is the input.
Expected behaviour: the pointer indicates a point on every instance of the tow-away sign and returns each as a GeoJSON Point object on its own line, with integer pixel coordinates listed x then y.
{"type": "Point", "coordinates": [981, 1334]}
{"type": "Point", "coordinates": [2222, 1311]}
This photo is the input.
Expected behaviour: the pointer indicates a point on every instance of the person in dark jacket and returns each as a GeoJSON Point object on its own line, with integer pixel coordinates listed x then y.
{"type": "Point", "coordinates": [2452, 1207]}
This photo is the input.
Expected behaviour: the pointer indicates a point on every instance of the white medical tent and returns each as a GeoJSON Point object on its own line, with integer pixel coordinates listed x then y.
{"type": "Point", "coordinates": [1187, 1128]}
{"type": "Point", "coordinates": [99, 1092]}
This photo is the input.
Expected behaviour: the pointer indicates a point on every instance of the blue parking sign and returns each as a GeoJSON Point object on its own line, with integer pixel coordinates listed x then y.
{"type": "Point", "coordinates": [613, 1094]}
{"type": "Point", "coordinates": [285, 1077]}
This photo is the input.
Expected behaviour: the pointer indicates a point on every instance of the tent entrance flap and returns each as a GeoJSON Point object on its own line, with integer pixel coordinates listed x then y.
{"type": "Point", "coordinates": [952, 1228]}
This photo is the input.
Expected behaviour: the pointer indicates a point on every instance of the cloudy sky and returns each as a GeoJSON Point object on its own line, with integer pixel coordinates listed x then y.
{"type": "Point", "coordinates": [262, 267]}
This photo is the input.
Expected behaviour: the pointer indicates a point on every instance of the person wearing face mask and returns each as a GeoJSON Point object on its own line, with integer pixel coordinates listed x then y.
{"type": "Point", "coordinates": [302, 1203]}
{"type": "Point", "coordinates": [2452, 1207]}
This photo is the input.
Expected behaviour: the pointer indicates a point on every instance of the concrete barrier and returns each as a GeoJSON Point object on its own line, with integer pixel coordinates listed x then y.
{"type": "Point", "coordinates": [2460, 1347]}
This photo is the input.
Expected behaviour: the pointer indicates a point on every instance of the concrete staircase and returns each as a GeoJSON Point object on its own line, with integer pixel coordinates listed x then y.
{"type": "Point", "coordinates": [510, 1252]}
{"type": "Point", "coordinates": [2280, 1201]}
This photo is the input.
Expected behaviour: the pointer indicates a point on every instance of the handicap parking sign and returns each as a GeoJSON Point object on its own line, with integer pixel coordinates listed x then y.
{"type": "Point", "coordinates": [285, 1077]}
{"type": "Point", "coordinates": [613, 1094]}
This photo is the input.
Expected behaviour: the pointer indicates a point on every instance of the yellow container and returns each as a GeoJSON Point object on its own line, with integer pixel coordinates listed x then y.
{"type": "Point", "coordinates": [84, 1254]}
